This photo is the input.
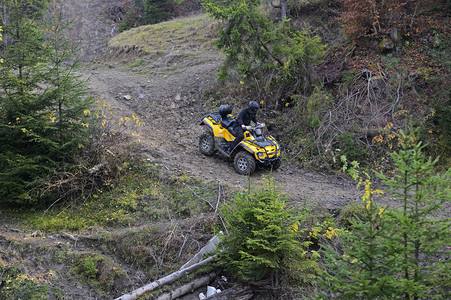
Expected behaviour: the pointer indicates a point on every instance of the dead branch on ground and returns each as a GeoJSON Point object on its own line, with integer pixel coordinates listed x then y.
{"type": "Point", "coordinates": [165, 280]}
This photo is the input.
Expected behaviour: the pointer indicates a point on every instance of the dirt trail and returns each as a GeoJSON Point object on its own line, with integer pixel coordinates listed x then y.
{"type": "Point", "coordinates": [166, 97]}
{"type": "Point", "coordinates": [170, 135]}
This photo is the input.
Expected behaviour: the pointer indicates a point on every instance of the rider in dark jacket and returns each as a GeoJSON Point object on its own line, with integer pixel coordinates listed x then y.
{"type": "Point", "coordinates": [248, 114]}
{"type": "Point", "coordinates": [244, 119]}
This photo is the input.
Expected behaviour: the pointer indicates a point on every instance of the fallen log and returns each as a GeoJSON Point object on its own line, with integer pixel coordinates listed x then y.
{"type": "Point", "coordinates": [165, 280]}
{"type": "Point", "coordinates": [188, 288]}
{"type": "Point", "coordinates": [207, 249]}
{"type": "Point", "coordinates": [233, 293]}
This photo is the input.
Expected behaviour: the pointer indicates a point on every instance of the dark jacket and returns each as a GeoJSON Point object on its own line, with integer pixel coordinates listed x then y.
{"type": "Point", "coordinates": [246, 116]}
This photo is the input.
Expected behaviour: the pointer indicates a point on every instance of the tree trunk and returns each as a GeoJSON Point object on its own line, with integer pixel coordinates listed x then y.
{"type": "Point", "coordinates": [187, 288]}
{"type": "Point", "coordinates": [165, 280]}
{"type": "Point", "coordinates": [283, 9]}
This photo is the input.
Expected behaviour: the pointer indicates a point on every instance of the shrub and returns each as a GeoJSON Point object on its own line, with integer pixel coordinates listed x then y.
{"type": "Point", "coordinates": [15, 285]}
{"type": "Point", "coordinates": [349, 213]}
{"type": "Point", "coordinates": [444, 123]}
{"type": "Point", "coordinates": [134, 13]}
{"type": "Point", "coordinates": [352, 147]}
{"type": "Point", "coordinates": [97, 270]}
{"type": "Point", "coordinates": [263, 240]}
{"type": "Point", "coordinates": [317, 103]}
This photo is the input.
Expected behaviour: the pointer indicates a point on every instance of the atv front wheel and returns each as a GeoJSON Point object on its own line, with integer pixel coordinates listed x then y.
{"type": "Point", "coordinates": [207, 143]}
{"type": "Point", "coordinates": [244, 163]}
{"type": "Point", "coordinates": [276, 164]}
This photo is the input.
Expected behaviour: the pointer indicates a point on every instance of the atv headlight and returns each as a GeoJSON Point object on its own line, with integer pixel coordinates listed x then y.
{"type": "Point", "coordinates": [261, 155]}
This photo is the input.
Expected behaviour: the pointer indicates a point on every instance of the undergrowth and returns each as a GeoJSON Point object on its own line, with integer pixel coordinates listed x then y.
{"type": "Point", "coordinates": [17, 285]}
{"type": "Point", "coordinates": [139, 221]}
{"type": "Point", "coordinates": [140, 196]}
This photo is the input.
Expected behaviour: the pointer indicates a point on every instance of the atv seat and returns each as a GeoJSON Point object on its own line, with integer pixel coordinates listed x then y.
{"type": "Point", "coordinates": [227, 120]}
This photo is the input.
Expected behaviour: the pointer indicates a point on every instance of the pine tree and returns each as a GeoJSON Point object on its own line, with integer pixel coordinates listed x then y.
{"type": "Point", "coordinates": [359, 269]}
{"type": "Point", "coordinates": [422, 235]}
{"type": "Point", "coordinates": [261, 48]}
{"type": "Point", "coordinates": [399, 252]}
{"type": "Point", "coordinates": [263, 240]}
{"type": "Point", "coordinates": [40, 107]}
{"type": "Point", "coordinates": [66, 96]}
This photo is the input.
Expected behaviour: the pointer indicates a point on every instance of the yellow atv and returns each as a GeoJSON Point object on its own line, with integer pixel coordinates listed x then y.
{"type": "Point", "coordinates": [254, 150]}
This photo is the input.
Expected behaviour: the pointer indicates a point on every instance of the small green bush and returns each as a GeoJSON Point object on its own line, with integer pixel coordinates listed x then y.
{"type": "Point", "coordinates": [264, 238]}
{"type": "Point", "coordinates": [87, 267]}
{"type": "Point", "coordinates": [350, 212]}
{"type": "Point", "coordinates": [351, 147]}
{"type": "Point", "coordinates": [444, 123]}
{"type": "Point", "coordinates": [97, 270]}
{"type": "Point", "coordinates": [317, 103]}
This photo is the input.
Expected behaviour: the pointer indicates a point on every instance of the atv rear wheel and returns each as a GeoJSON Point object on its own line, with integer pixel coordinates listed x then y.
{"type": "Point", "coordinates": [207, 143]}
{"type": "Point", "coordinates": [244, 163]}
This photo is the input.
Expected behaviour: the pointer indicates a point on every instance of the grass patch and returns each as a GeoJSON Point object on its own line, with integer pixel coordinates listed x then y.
{"type": "Point", "coordinates": [16, 285]}
{"type": "Point", "coordinates": [134, 65]}
{"type": "Point", "coordinates": [96, 270]}
{"type": "Point", "coordinates": [24, 278]}
{"type": "Point", "coordinates": [138, 197]}
{"type": "Point", "coordinates": [193, 33]}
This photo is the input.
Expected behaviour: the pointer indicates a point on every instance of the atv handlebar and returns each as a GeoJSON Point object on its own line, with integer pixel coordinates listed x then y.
{"type": "Point", "coordinates": [261, 125]}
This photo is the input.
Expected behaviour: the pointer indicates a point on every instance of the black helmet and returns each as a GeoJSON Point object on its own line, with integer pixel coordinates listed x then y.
{"type": "Point", "coordinates": [224, 110]}
{"type": "Point", "coordinates": [254, 105]}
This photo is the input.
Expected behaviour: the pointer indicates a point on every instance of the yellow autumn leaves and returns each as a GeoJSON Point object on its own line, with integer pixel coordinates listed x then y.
{"type": "Point", "coordinates": [328, 232]}
{"type": "Point", "coordinates": [108, 124]}
{"type": "Point", "coordinates": [368, 194]}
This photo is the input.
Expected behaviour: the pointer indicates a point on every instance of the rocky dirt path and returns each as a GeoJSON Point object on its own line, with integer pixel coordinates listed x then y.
{"type": "Point", "coordinates": [168, 106]}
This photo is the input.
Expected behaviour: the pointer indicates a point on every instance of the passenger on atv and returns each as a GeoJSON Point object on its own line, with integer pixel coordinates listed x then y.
{"type": "Point", "coordinates": [232, 125]}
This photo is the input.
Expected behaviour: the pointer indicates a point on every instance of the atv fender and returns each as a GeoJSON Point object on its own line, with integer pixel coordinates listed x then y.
{"type": "Point", "coordinates": [247, 148]}
{"type": "Point", "coordinates": [206, 123]}
{"type": "Point", "coordinates": [214, 123]}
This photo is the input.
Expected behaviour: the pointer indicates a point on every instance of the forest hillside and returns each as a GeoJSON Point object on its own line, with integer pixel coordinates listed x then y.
{"type": "Point", "coordinates": [103, 188]}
